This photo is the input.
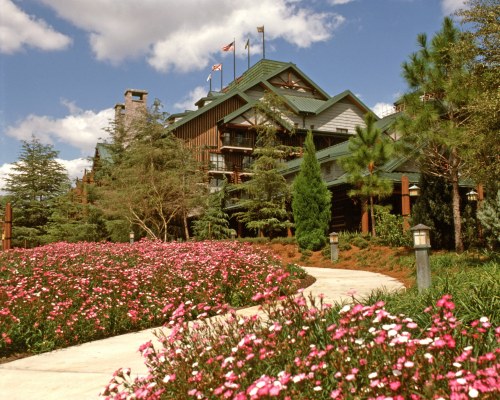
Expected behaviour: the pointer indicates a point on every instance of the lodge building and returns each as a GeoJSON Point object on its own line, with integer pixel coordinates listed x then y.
{"type": "Point", "coordinates": [222, 131]}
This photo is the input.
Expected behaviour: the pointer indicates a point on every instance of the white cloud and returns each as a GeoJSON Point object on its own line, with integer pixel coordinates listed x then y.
{"type": "Point", "coordinates": [383, 109]}
{"type": "Point", "coordinates": [81, 129]}
{"type": "Point", "coordinates": [194, 95]}
{"type": "Point", "coordinates": [19, 30]}
{"type": "Point", "coordinates": [5, 170]}
{"type": "Point", "coordinates": [75, 167]}
{"type": "Point", "coordinates": [188, 35]}
{"type": "Point", "coordinates": [336, 2]}
{"type": "Point", "coordinates": [450, 6]}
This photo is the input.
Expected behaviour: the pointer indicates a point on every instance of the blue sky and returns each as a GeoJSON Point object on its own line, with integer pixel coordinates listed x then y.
{"type": "Point", "coordinates": [64, 64]}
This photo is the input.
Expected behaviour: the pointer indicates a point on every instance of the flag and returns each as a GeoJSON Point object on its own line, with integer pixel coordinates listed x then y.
{"type": "Point", "coordinates": [217, 67]}
{"type": "Point", "coordinates": [209, 77]}
{"type": "Point", "coordinates": [228, 47]}
{"type": "Point", "coordinates": [247, 44]}
{"type": "Point", "coordinates": [260, 29]}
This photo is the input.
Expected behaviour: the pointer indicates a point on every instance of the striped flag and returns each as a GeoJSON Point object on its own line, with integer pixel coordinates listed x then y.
{"type": "Point", "coordinates": [260, 29]}
{"type": "Point", "coordinates": [228, 47]}
{"type": "Point", "coordinates": [217, 67]}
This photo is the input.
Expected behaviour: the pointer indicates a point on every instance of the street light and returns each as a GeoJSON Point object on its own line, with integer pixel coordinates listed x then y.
{"type": "Point", "coordinates": [472, 195]}
{"type": "Point", "coordinates": [414, 191]}
{"type": "Point", "coordinates": [422, 245]}
{"type": "Point", "coordinates": [334, 246]}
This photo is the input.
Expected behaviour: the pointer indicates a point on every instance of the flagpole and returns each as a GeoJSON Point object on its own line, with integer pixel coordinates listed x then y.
{"type": "Point", "coordinates": [221, 69]}
{"type": "Point", "coordinates": [263, 44]}
{"type": "Point", "coordinates": [210, 84]}
{"type": "Point", "coordinates": [248, 48]}
{"type": "Point", "coordinates": [260, 29]}
{"type": "Point", "coordinates": [234, 57]}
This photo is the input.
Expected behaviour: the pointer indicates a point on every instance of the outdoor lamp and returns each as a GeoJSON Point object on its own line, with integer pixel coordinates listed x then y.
{"type": "Point", "coordinates": [233, 234]}
{"type": "Point", "coordinates": [422, 244]}
{"type": "Point", "coordinates": [421, 237]}
{"type": "Point", "coordinates": [414, 190]}
{"type": "Point", "coordinates": [472, 195]}
{"type": "Point", "coordinates": [131, 237]}
{"type": "Point", "coordinates": [334, 246]}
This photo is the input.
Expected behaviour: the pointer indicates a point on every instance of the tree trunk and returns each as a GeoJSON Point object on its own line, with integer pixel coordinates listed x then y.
{"type": "Point", "coordinates": [457, 220]}
{"type": "Point", "coordinates": [372, 216]}
{"type": "Point", "coordinates": [185, 221]}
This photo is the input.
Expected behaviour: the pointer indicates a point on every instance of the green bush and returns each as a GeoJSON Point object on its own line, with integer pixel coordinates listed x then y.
{"type": "Point", "coordinates": [312, 240]}
{"type": "Point", "coordinates": [390, 228]}
{"type": "Point", "coordinates": [360, 242]}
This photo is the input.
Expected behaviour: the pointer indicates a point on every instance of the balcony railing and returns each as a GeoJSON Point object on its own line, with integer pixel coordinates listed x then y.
{"type": "Point", "coordinates": [236, 142]}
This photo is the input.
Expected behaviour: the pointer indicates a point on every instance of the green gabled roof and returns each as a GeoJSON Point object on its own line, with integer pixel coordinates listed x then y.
{"type": "Point", "coordinates": [265, 70]}
{"type": "Point", "coordinates": [238, 112]}
{"type": "Point", "coordinates": [217, 100]}
{"type": "Point", "coordinates": [104, 154]}
{"type": "Point", "coordinates": [326, 154]}
{"type": "Point", "coordinates": [304, 104]}
{"type": "Point", "coordinates": [346, 93]}
{"type": "Point", "coordinates": [386, 122]}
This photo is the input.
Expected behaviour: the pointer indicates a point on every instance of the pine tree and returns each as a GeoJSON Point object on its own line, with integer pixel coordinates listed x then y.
{"type": "Point", "coordinates": [267, 193]}
{"type": "Point", "coordinates": [154, 182]}
{"type": "Point", "coordinates": [369, 150]}
{"type": "Point", "coordinates": [311, 201]}
{"type": "Point", "coordinates": [214, 222]}
{"type": "Point", "coordinates": [36, 181]}
{"type": "Point", "coordinates": [434, 122]}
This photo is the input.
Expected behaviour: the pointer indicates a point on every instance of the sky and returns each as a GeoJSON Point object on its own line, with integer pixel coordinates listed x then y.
{"type": "Point", "coordinates": [64, 64]}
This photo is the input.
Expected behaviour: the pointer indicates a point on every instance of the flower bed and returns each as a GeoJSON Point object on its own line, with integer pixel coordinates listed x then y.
{"type": "Point", "coordinates": [315, 352]}
{"type": "Point", "coordinates": [63, 294]}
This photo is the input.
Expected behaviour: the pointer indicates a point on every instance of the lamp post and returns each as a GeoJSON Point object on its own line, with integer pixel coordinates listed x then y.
{"type": "Point", "coordinates": [414, 191]}
{"type": "Point", "coordinates": [422, 245]}
{"type": "Point", "coordinates": [131, 237]}
{"type": "Point", "coordinates": [472, 196]}
{"type": "Point", "coordinates": [334, 246]}
{"type": "Point", "coordinates": [233, 234]}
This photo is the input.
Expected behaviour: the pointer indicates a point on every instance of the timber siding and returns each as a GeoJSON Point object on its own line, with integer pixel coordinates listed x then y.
{"type": "Point", "coordinates": [202, 131]}
{"type": "Point", "coordinates": [343, 114]}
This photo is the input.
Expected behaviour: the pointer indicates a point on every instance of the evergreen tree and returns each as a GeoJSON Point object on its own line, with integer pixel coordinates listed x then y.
{"type": "Point", "coordinates": [154, 182]}
{"type": "Point", "coordinates": [434, 122]}
{"type": "Point", "coordinates": [214, 222]}
{"type": "Point", "coordinates": [311, 201]}
{"type": "Point", "coordinates": [266, 193]}
{"type": "Point", "coordinates": [36, 180]}
{"type": "Point", "coordinates": [369, 150]}
{"type": "Point", "coordinates": [433, 208]}
{"type": "Point", "coordinates": [480, 46]}
{"type": "Point", "coordinates": [489, 216]}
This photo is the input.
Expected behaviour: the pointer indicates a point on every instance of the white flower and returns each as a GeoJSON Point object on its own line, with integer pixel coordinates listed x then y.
{"type": "Point", "coordinates": [345, 309]}
{"type": "Point", "coordinates": [461, 381]}
{"type": "Point", "coordinates": [396, 372]}
{"type": "Point", "coordinates": [483, 319]}
{"type": "Point", "coordinates": [373, 375]}
{"type": "Point", "coordinates": [317, 388]}
{"type": "Point", "coordinates": [473, 393]}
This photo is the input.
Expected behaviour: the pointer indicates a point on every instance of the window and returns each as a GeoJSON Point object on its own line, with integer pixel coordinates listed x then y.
{"type": "Point", "coordinates": [217, 162]}
{"type": "Point", "coordinates": [342, 130]}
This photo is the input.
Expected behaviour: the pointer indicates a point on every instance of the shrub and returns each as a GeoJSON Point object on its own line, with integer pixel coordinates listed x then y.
{"type": "Point", "coordinates": [390, 228]}
{"type": "Point", "coordinates": [360, 242]}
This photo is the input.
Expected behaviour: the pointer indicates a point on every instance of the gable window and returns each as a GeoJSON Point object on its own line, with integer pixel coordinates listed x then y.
{"type": "Point", "coordinates": [342, 130]}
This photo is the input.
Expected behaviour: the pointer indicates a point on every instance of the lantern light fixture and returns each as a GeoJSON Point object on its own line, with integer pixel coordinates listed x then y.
{"type": "Point", "coordinates": [414, 190]}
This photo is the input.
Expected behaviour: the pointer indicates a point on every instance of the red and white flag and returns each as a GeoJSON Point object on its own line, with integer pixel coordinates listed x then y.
{"type": "Point", "coordinates": [217, 67]}
{"type": "Point", "coordinates": [228, 47]}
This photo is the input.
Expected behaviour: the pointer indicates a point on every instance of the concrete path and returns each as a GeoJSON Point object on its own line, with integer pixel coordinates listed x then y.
{"type": "Point", "coordinates": [81, 372]}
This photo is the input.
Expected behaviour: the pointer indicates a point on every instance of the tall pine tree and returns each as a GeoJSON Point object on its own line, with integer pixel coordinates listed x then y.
{"type": "Point", "coordinates": [369, 150]}
{"type": "Point", "coordinates": [434, 122]}
{"type": "Point", "coordinates": [310, 201]}
{"type": "Point", "coordinates": [36, 180]}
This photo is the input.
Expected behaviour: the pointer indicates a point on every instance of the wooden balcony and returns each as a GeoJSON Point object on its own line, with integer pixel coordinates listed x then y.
{"type": "Point", "coordinates": [236, 142]}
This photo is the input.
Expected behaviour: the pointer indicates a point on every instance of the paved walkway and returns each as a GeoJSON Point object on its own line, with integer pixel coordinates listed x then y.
{"type": "Point", "coordinates": [81, 372]}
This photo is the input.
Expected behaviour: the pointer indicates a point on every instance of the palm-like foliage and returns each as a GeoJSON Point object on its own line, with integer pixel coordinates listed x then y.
{"type": "Point", "coordinates": [369, 150]}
